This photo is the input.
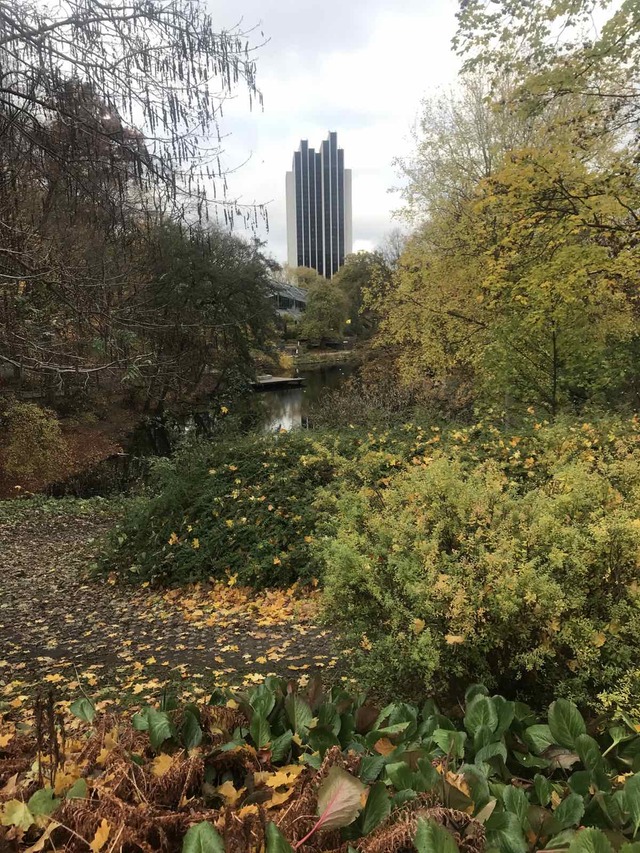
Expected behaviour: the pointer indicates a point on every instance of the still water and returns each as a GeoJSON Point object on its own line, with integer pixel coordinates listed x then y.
{"type": "Point", "coordinates": [288, 408]}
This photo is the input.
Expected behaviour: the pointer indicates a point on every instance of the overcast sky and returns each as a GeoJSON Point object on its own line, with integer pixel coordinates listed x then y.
{"type": "Point", "coordinates": [359, 67]}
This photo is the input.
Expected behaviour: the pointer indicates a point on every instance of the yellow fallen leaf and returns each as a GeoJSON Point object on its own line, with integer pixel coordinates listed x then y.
{"type": "Point", "coordinates": [454, 639]}
{"type": "Point", "coordinates": [16, 813]}
{"type": "Point", "coordinates": [418, 626]}
{"type": "Point", "coordinates": [599, 639]}
{"type": "Point", "coordinates": [65, 778]}
{"type": "Point", "coordinates": [4, 739]}
{"type": "Point", "coordinates": [161, 764]}
{"type": "Point", "coordinates": [102, 756]}
{"type": "Point", "coordinates": [457, 780]}
{"type": "Point", "coordinates": [100, 838]}
{"type": "Point", "coordinates": [278, 798]}
{"type": "Point", "coordinates": [247, 810]}
{"type": "Point", "coordinates": [53, 679]}
{"type": "Point", "coordinates": [284, 776]}
{"type": "Point", "coordinates": [228, 791]}
{"type": "Point", "coordinates": [42, 841]}
{"type": "Point", "coordinates": [383, 746]}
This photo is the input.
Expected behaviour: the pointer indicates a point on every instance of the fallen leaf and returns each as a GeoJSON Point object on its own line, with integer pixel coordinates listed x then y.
{"type": "Point", "coordinates": [42, 841]}
{"type": "Point", "coordinates": [16, 813]}
{"type": "Point", "coordinates": [100, 838]}
{"type": "Point", "coordinates": [229, 792]}
{"type": "Point", "coordinates": [383, 746]}
{"type": "Point", "coordinates": [161, 764]}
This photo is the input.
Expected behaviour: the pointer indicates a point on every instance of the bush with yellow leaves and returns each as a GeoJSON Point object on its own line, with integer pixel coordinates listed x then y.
{"type": "Point", "coordinates": [468, 567]}
{"type": "Point", "coordinates": [35, 446]}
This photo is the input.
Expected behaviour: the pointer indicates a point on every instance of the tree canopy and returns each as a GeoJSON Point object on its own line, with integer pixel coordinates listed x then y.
{"type": "Point", "coordinates": [111, 149]}
{"type": "Point", "coordinates": [522, 269]}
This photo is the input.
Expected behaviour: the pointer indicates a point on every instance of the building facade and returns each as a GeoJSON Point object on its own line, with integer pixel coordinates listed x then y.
{"type": "Point", "coordinates": [319, 226]}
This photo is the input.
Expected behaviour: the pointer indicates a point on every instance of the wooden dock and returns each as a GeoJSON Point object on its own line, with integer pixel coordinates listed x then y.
{"type": "Point", "coordinates": [269, 383]}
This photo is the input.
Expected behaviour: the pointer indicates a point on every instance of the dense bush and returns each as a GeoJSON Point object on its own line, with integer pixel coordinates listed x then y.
{"type": "Point", "coordinates": [251, 507]}
{"type": "Point", "coordinates": [35, 445]}
{"type": "Point", "coordinates": [239, 509]}
{"type": "Point", "coordinates": [511, 559]}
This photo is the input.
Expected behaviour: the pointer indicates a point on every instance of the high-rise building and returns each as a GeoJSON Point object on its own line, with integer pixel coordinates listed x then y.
{"type": "Point", "coordinates": [319, 230]}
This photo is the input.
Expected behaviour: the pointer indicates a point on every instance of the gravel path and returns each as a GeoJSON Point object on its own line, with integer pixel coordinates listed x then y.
{"type": "Point", "coordinates": [60, 626]}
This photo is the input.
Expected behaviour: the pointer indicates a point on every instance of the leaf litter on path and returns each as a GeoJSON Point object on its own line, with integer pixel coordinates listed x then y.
{"type": "Point", "coordinates": [62, 627]}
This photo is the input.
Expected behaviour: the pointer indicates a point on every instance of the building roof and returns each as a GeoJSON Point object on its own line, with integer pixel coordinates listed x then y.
{"type": "Point", "coordinates": [290, 291]}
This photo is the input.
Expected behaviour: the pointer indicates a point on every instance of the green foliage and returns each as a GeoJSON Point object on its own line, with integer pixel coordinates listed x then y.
{"type": "Point", "coordinates": [326, 312]}
{"type": "Point", "coordinates": [250, 508]}
{"type": "Point", "coordinates": [35, 445]}
{"type": "Point", "coordinates": [361, 272]}
{"type": "Point", "coordinates": [510, 558]}
{"type": "Point", "coordinates": [213, 292]}
{"type": "Point", "coordinates": [202, 838]}
{"type": "Point", "coordinates": [239, 509]}
{"type": "Point", "coordinates": [528, 798]}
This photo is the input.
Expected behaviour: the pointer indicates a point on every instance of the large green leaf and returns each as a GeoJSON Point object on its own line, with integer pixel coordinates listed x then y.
{"type": "Point", "coordinates": [140, 721]}
{"type": "Point", "coordinates": [276, 842]}
{"type": "Point", "coordinates": [569, 811]}
{"type": "Point", "coordinates": [280, 747]}
{"type": "Point", "coordinates": [78, 791]}
{"type": "Point", "coordinates": [529, 761]}
{"type": "Point", "coordinates": [506, 711]}
{"type": "Point", "coordinates": [590, 755]}
{"type": "Point", "coordinates": [480, 712]}
{"type": "Point", "coordinates": [299, 713]}
{"type": "Point", "coordinates": [505, 832]}
{"type": "Point", "coordinates": [191, 730]}
{"type": "Point", "coordinates": [377, 808]}
{"type": "Point", "coordinates": [260, 730]}
{"type": "Point", "coordinates": [565, 722]}
{"type": "Point", "coordinates": [515, 801]}
{"type": "Point", "coordinates": [632, 799]}
{"type": "Point", "coordinates": [427, 777]}
{"type": "Point", "coordinates": [262, 700]}
{"type": "Point", "coordinates": [538, 738]}
{"type": "Point", "coordinates": [542, 788]}
{"type": "Point", "coordinates": [401, 775]}
{"type": "Point", "coordinates": [202, 838]}
{"type": "Point", "coordinates": [590, 841]}
{"type": "Point", "coordinates": [450, 742]}
{"type": "Point", "coordinates": [433, 838]}
{"type": "Point", "coordinates": [491, 750]}
{"type": "Point", "coordinates": [371, 767]}
{"type": "Point", "coordinates": [43, 802]}
{"type": "Point", "coordinates": [83, 709]}
{"type": "Point", "coordinates": [160, 728]}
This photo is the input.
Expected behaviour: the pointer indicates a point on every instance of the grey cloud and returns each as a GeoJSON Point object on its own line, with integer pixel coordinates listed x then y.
{"type": "Point", "coordinates": [305, 29]}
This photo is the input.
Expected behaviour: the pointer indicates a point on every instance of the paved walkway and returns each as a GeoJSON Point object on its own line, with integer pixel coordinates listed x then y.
{"type": "Point", "coordinates": [59, 626]}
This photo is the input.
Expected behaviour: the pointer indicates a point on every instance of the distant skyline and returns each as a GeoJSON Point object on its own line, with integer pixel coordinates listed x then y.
{"type": "Point", "coordinates": [360, 68]}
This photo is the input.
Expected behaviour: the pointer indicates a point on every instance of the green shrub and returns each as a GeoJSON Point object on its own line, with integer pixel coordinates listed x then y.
{"type": "Point", "coordinates": [512, 560]}
{"type": "Point", "coordinates": [241, 509]}
{"type": "Point", "coordinates": [251, 507]}
{"type": "Point", "coordinates": [36, 448]}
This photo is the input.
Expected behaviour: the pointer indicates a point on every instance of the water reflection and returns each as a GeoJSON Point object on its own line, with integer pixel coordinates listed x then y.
{"type": "Point", "coordinates": [288, 408]}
